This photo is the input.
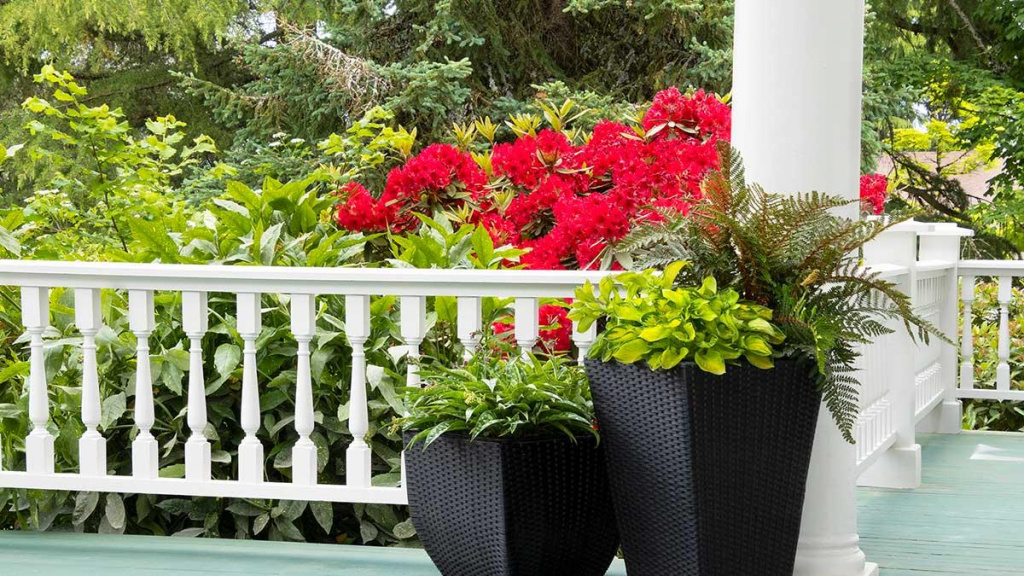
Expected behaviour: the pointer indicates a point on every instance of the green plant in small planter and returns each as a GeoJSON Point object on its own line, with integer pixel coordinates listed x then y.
{"type": "Point", "coordinates": [500, 394]}
{"type": "Point", "coordinates": [651, 320]}
{"type": "Point", "coordinates": [505, 473]}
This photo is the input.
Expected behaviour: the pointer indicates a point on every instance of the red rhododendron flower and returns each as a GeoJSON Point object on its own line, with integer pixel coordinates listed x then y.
{"type": "Point", "coordinates": [566, 204]}
{"type": "Point", "coordinates": [361, 212]}
{"type": "Point", "coordinates": [873, 192]}
{"type": "Point", "coordinates": [702, 115]}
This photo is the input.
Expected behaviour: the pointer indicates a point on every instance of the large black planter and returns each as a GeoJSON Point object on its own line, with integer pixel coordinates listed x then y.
{"type": "Point", "coordinates": [536, 507]}
{"type": "Point", "coordinates": [708, 473]}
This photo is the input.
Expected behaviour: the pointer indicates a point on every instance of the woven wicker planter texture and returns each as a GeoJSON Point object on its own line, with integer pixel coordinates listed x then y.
{"type": "Point", "coordinates": [708, 473]}
{"type": "Point", "coordinates": [512, 507]}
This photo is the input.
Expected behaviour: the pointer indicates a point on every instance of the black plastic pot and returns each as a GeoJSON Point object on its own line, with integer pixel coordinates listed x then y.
{"type": "Point", "coordinates": [708, 473]}
{"type": "Point", "coordinates": [512, 507]}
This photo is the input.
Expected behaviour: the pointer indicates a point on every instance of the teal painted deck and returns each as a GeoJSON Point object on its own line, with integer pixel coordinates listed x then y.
{"type": "Point", "coordinates": [966, 520]}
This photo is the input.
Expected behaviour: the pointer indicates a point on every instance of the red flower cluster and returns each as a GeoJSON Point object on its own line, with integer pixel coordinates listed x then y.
{"type": "Point", "coordinates": [873, 192]}
{"type": "Point", "coordinates": [568, 202]}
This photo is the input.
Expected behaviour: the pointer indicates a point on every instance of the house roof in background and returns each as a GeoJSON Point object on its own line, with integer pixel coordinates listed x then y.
{"type": "Point", "coordinates": [975, 183]}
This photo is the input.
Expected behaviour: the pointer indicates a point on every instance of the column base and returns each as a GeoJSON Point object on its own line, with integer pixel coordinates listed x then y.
{"type": "Point", "coordinates": [897, 468]}
{"type": "Point", "coordinates": [832, 557]}
{"type": "Point", "coordinates": [198, 462]}
{"type": "Point", "coordinates": [92, 454]}
{"type": "Point", "coordinates": [39, 453]}
{"type": "Point", "coordinates": [951, 417]}
{"type": "Point", "coordinates": [304, 465]}
{"type": "Point", "coordinates": [250, 461]}
{"type": "Point", "coordinates": [145, 457]}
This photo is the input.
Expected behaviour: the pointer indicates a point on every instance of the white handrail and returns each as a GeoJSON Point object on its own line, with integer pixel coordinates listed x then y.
{"type": "Point", "coordinates": [295, 280]}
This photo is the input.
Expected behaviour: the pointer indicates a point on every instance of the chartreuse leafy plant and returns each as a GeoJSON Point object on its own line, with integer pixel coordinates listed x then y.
{"type": "Point", "coordinates": [650, 320]}
{"type": "Point", "coordinates": [499, 393]}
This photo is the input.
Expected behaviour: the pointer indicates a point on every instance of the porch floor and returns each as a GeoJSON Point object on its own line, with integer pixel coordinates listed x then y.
{"type": "Point", "coordinates": [964, 521]}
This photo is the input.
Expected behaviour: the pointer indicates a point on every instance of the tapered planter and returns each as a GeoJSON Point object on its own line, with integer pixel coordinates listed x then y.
{"type": "Point", "coordinates": [708, 473]}
{"type": "Point", "coordinates": [512, 507]}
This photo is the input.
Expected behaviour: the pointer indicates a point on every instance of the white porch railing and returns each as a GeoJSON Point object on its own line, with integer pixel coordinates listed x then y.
{"type": "Point", "coordinates": [302, 286]}
{"type": "Point", "coordinates": [1003, 272]}
{"type": "Point", "coordinates": [904, 388]}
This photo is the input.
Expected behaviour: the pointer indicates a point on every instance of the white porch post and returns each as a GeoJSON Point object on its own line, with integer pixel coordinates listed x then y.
{"type": "Point", "coordinates": [796, 121]}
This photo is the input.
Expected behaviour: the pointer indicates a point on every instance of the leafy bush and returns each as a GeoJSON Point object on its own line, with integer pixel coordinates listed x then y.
{"type": "Point", "coordinates": [649, 320]}
{"type": "Point", "coordinates": [794, 255]}
{"type": "Point", "coordinates": [500, 393]}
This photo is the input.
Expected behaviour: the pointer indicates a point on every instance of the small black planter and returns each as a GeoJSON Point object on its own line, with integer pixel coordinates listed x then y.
{"type": "Point", "coordinates": [536, 507]}
{"type": "Point", "coordinates": [708, 472]}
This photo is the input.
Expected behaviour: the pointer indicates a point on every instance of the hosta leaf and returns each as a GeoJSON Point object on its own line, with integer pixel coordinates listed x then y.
{"type": "Point", "coordinates": [226, 358]}
{"type": "Point", "coordinates": [115, 511]}
{"type": "Point", "coordinates": [85, 505]}
{"type": "Point", "coordinates": [323, 512]}
{"type": "Point", "coordinates": [405, 530]}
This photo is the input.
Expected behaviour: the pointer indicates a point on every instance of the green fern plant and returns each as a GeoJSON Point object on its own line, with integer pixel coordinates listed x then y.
{"type": "Point", "coordinates": [796, 256]}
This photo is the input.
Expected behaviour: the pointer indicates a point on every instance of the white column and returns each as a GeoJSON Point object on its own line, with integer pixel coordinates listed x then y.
{"type": "Point", "coordinates": [967, 337]}
{"type": "Point", "coordinates": [796, 121]}
{"type": "Point", "coordinates": [145, 450]}
{"type": "Point", "coordinates": [414, 329]}
{"type": "Point", "coordinates": [1003, 368]}
{"type": "Point", "coordinates": [195, 319]}
{"type": "Point", "coordinates": [357, 329]}
{"type": "Point", "coordinates": [468, 321]}
{"type": "Point", "coordinates": [92, 448]}
{"type": "Point", "coordinates": [527, 330]}
{"type": "Point", "coordinates": [35, 315]}
{"type": "Point", "coordinates": [250, 451]}
{"type": "Point", "coordinates": [304, 460]}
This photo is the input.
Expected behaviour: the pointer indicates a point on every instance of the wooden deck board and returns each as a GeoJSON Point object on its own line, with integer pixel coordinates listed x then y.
{"type": "Point", "coordinates": [965, 520]}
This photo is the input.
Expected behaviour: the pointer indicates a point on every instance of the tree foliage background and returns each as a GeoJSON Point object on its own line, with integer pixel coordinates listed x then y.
{"type": "Point", "coordinates": [298, 95]}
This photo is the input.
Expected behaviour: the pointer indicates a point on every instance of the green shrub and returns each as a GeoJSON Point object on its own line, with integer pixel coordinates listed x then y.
{"type": "Point", "coordinates": [499, 393]}
{"type": "Point", "coordinates": [649, 320]}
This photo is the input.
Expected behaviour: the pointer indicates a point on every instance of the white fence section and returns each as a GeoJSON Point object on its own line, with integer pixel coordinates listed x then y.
{"type": "Point", "coordinates": [302, 286]}
{"type": "Point", "coordinates": [906, 387]}
{"type": "Point", "coordinates": [1003, 272]}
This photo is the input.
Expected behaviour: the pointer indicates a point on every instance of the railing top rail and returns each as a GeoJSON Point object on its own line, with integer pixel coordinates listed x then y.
{"type": "Point", "coordinates": [991, 267]}
{"type": "Point", "coordinates": [294, 280]}
{"type": "Point", "coordinates": [889, 271]}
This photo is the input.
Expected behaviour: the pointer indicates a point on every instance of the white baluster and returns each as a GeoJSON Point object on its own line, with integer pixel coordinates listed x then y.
{"type": "Point", "coordinates": [526, 324]}
{"type": "Point", "coordinates": [35, 315]}
{"type": "Point", "coordinates": [250, 451]}
{"type": "Point", "coordinates": [304, 459]}
{"type": "Point", "coordinates": [469, 323]}
{"type": "Point", "coordinates": [584, 340]}
{"type": "Point", "coordinates": [1003, 370]}
{"type": "Point", "coordinates": [967, 337]}
{"type": "Point", "coordinates": [92, 447]}
{"type": "Point", "coordinates": [414, 329]}
{"type": "Point", "coordinates": [195, 315]}
{"type": "Point", "coordinates": [145, 451]}
{"type": "Point", "coordinates": [357, 326]}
